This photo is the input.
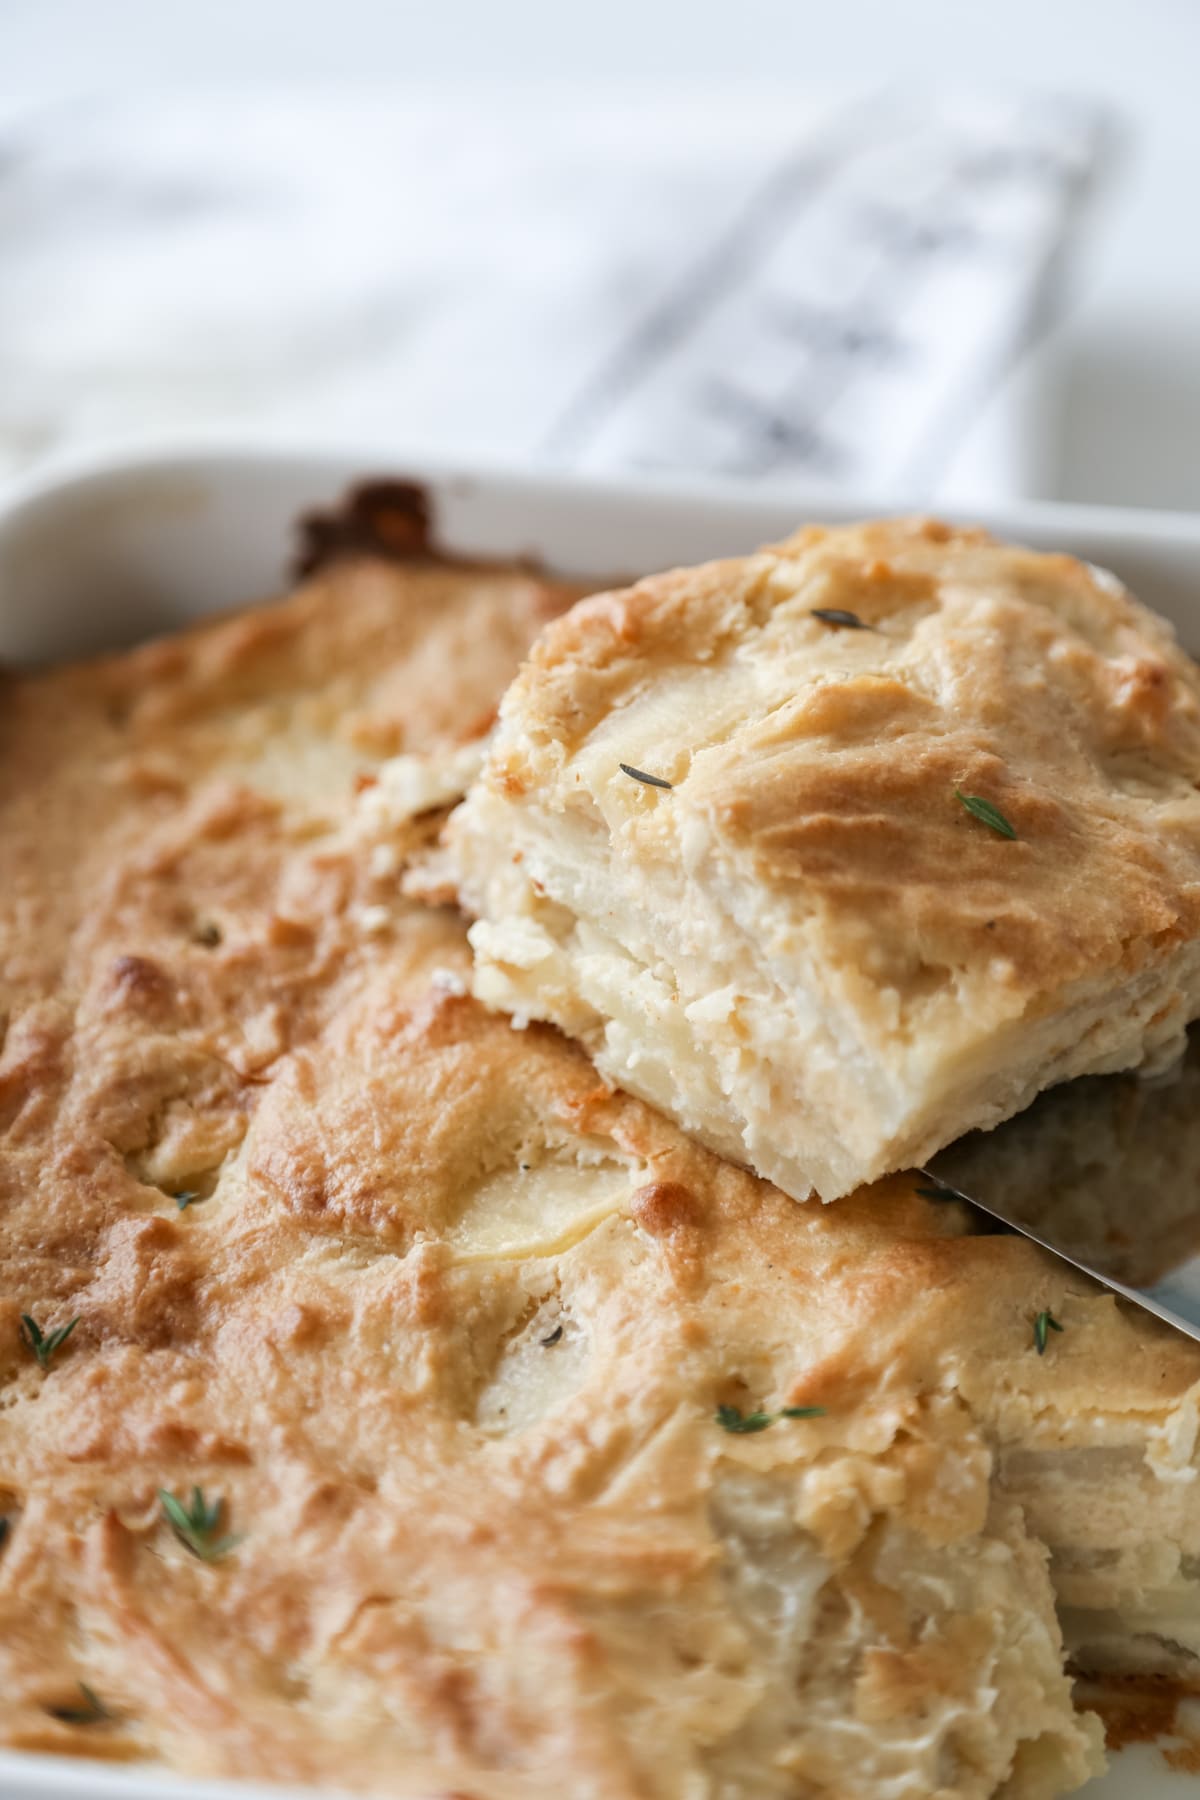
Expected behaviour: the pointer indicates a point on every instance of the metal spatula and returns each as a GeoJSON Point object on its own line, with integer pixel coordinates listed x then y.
{"type": "Point", "coordinates": [1104, 1171]}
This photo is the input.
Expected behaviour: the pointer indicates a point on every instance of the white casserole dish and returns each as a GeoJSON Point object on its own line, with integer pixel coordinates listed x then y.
{"type": "Point", "coordinates": [96, 554]}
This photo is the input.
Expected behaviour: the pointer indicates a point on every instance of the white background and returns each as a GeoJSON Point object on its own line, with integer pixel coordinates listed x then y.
{"type": "Point", "coordinates": [1129, 361]}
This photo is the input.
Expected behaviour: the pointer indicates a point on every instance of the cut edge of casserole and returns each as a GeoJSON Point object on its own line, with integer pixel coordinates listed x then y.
{"type": "Point", "coordinates": [845, 848]}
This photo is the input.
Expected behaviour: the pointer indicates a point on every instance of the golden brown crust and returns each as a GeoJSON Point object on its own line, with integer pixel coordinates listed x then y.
{"type": "Point", "coordinates": [816, 771]}
{"type": "Point", "coordinates": [448, 1323]}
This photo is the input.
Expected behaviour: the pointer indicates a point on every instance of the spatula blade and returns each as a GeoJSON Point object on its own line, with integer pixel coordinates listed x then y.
{"type": "Point", "coordinates": [1104, 1172]}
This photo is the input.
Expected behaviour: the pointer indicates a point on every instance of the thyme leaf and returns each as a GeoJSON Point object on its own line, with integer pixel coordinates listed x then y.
{"type": "Point", "coordinates": [553, 1338]}
{"type": "Point", "coordinates": [1044, 1323]}
{"type": "Point", "coordinates": [44, 1344]}
{"type": "Point", "coordinates": [92, 1712]}
{"type": "Point", "coordinates": [986, 813]}
{"type": "Point", "coordinates": [641, 775]}
{"type": "Point", "coordinates": [834, 615]}
{"type": "Point", "coordinates": [184, 1199]}
{"type": "Point", "coordinates": [732, 1418]}
{"type": "Point", "coordinates": [197, 1524]}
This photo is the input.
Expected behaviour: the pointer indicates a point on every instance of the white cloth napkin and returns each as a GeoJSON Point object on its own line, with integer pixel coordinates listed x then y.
{"type": "Point", "coordinates": [825, 292]}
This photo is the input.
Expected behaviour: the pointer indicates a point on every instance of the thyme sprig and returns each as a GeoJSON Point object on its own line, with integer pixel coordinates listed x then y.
{"type": "Point", "coordinates": [733, 1419]}
{"type": "Point", "coordinates": [44, 1344]}
{"type": "Point", "coordinates": [197, 1524]}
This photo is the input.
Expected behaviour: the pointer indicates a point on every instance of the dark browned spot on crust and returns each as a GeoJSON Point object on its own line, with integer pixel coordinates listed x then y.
{"type": "Point", "coordinates": [141, 985]}
{"type": "Point", "coordinates": [292, 934]}
{"type": "Point", "coordinates": [387, 517]}
{"type": "Point", "coordinates": [664, 1207]}
{"type": "Point", "coordinates": [173, 1440]}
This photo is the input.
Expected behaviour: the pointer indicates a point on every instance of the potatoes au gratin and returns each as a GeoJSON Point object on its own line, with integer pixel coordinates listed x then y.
{"type": "Point", "coordinates": [393, 1404]}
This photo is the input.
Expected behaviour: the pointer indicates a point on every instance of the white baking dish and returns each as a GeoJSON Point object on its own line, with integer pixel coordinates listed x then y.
{"type": "Point", "coordinates": [98, 553]}
{"type": "Point", "coordinates": [95, 555]}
